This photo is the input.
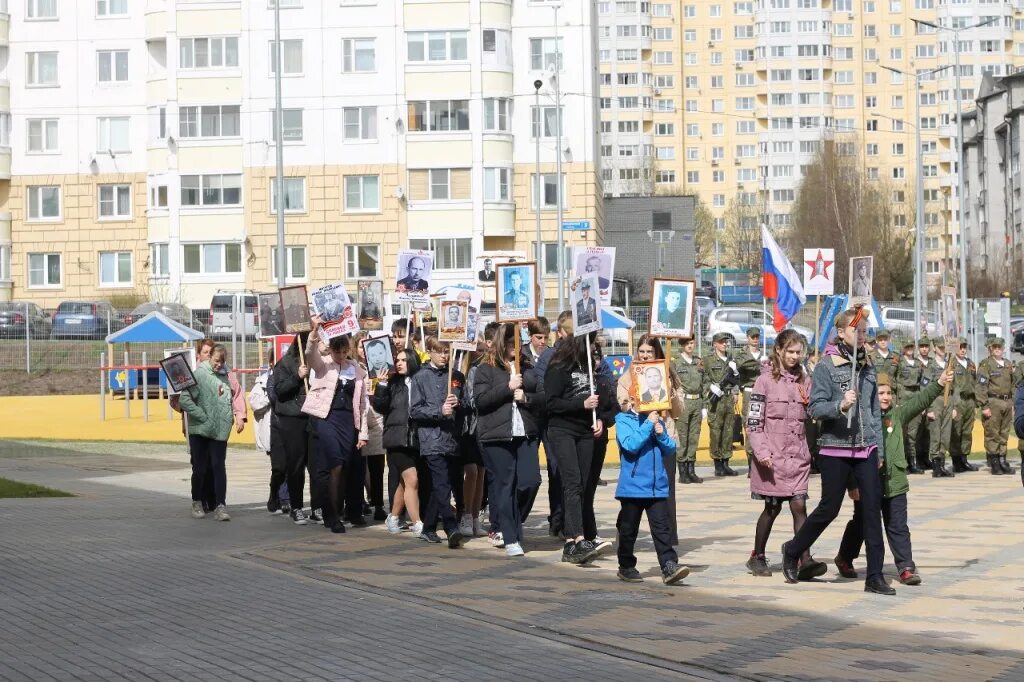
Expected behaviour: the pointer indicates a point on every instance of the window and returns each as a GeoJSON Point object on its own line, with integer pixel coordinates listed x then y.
{"type": "Point", "coordinates": [543, 52]}
{"type": "Point", "coordinates": [115, 268]}
{"type": "Point", "coordinates": [158, 196]}
{"type": "Point", "coordinates": [40, 9]}
{"type": "Point", "coordinates": [548, 190]}
{"type": "Point", "coordinates": [439, 115]}
{"type": "Point", "coordinates": [291, 125]}
{"type": "Point", "coordinates": [290, 55]}
{"type": "Point", "coordinates": [663, 33]}
{"type": "Point", "coordinates": [211, 190]}
{"type": "Point", "coordinates": [358, 55]}
{"type": "Point", "coordinates": [744, 127]}
{"type": "Point", "coordinates": [294, 195]}
{"type": "Point", "coordinates": [663, 57]}
{"type": "Point", "coordinates": [41, 68]}
{"type": "Point", "coordinates": [436, 46]}
{"type": "Point", "coordinates": [549, 257]}
{"type": "Point", "coordinates": [362, 260]}
{"type": "Point", "coordinates": [497, 115]}
{"type": "Point", "coordinates": [629, 126]}
{"type": "Point", "coordinates": [497, 184]}
{"type": "Point", "coordinates": [360, 123]}
{"type": "Point", "coordinates": [210, 53]}
{"type": "Point", "coordinates": [362, 193]}
{"type": "Point", "coordinates": [44, 270]}
{"type": "Point", "coordinates": [157, 117]}
{"type": "Point", "coordinates": [111, 8]}
{"type": "Point", "coordinates": [295, 263]}
{"type": "Point", "coordinates": [112, 66]}
{"type": "Point", "coordinates": [664, 129]}
{"type": "Point", "coordinates": [116, 201]}
{"type": "Point", "coordinates": [665, 153]}
{"type": "Point", "coordinates": [209, 121]}
{"type": "Point", "coordinates": [159, 260]}
{"type": "Point", "coordinates": [449, 254]}
{"type": "Point", "coordinates": [212, 259]}
{"type": "Point", "coordinates": [550, 117]}
{"type": "Point", "coordinates": [44, 202]}
{"type": "Point", "coordinates": [665, 176]}
{"type": "Point", "coordinates": [42, 135]}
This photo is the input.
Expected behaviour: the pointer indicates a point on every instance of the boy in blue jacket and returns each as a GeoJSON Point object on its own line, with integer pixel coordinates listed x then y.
{"type": "Point", "coordinates": [643, 487]}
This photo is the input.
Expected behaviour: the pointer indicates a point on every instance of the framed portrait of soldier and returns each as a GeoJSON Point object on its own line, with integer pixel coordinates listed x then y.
{"type": "Point", "coordinates": [271, 315]}
{"type": "Point", "coordinates": [585, 304]}
{"type": "Point", "coordinates": [950, 320]}
{"type": "Point", "coordinates": [650, 389]}
{"type": "Point", "coordinates": [598, 261]}
{"type": "Point", "coordinates": [295, 306]}
{"type": "Point", "coordinates": [516, 292]}
{"type": "Point", "coordinates": [380, 358]}
{"type": "Point", "coordinates": [178, 371]}
{"type": "Point", "coordinates": [370, 304]}
{"type": "Point", "coordinates": [861, 272]}
{"type": "Point", "coordinates": [672, 307]}
{"type": "Point", "coordinates": [412, 275]}
{"type": "Point", "coordinates": [453, 321]}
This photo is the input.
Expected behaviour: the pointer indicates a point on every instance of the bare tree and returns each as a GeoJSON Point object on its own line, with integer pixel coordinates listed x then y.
{"type": "Point", "coordinates": [741, 237]}
{"type": "Point", "coordinates": [703, 223]}
{"type": "Point", "coordinates": [839, 206]}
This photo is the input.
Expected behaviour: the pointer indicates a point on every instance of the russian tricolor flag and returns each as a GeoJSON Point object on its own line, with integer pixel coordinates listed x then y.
{"type": "Point", "coordinates": [781, 283]}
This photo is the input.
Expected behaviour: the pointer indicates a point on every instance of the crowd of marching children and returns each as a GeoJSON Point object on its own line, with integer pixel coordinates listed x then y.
{"type": "Point", "coordinates": [856, 414]}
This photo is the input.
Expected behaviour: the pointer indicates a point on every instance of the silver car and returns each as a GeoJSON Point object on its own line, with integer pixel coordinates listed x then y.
{"type": "Point", "coordinates": [736, 321]}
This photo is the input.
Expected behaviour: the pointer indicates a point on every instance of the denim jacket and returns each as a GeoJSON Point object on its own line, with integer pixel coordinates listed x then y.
{"type": "Point", "coordinates": [831, 379]}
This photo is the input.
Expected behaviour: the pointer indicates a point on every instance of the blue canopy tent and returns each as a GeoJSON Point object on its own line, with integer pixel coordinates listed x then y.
{"type": "Point", "coordinates": [153, 328]}
{"type": "Point", "coordinates": [830, 310]}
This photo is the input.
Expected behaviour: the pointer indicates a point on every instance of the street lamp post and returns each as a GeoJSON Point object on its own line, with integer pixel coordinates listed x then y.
{"type": "Point", "coordinates": [538, 249]}
{"type": "Point", "coordinates": [279, 151]}
{"type": "Point", "coordinates": [560, 201]}
{"type": "Point", "coordinates": [961, 224]}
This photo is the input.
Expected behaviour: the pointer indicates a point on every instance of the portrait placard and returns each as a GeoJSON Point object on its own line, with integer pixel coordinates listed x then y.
{"type": "Point", "coordinates": [650, 389]}
{"type": "Point", "coordinates": [950, 319]}
{"type": "Point", "coordinates": [271, 315]}
{"type": "Point", "coordinates": [585, 305]}
{"type": "Point", "coordinates": [337, 314]}
{"type": "Point", "coordinates": [370, 304]}
{"type": "Point", "coordinates": [380, 358]}
{"type": "Point", "coordinates": [295, 304]}
{"type": "Point", "coordinates": [178, 371]}
{"type": "Point", "coordinates": [488, 261]}
{"type": "Point", "coordinates": [861, 272]}
{"type": "Point", "coordinates": [672, 307]}
{"type": "Point", "coordinates": [598, 261]}
{"type": "Point", "coordinates": [412, 275]}
{"type": "Point", "coordinates": [517, 292]}
{"type": "Point", "coordinates": [453, 321]}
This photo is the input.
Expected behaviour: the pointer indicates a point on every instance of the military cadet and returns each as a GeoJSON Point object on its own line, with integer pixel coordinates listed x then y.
{"type": "Point", "coordinates": [965, 375]}
{"type": "Point", "coordinates": [940, 419]}
{"type": "Point", "coordinates": [908, 382]}
{"type": "Point", "coordinates": [995, 394]}
{"type": "Point", "coordinates": [721, 377]}
{"type": "Point", "coordinates": [749, 361]}
{"type": "Point", "coordinates": [690, 371]}
{"type": "Point", "coordinates": [884, 360]}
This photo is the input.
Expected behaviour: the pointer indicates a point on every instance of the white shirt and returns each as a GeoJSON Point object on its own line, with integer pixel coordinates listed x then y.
{"type": "Point", "coordinates": [1000, 363]}
{"type": "Point", "coordinates": [687, 360]}
{"type": "Point", "coordinates": [962, 361]}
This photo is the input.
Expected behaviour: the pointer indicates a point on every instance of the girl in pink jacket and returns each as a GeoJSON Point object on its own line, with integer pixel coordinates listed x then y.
{"type": "Point", "coordinates": [782, 460]}
{"type": "Point", "coordinates": [338, 397]}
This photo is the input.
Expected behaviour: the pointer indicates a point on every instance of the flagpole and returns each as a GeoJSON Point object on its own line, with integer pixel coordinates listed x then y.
{"type": "Point", "coordinates": [764, 311]}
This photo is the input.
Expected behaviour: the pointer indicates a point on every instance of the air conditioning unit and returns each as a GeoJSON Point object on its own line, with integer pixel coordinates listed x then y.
{"type": "Point", "coordinates": [657, 91]}
{"type": "Point", "coordinates": [736, 161]}
{"type": "Point", "coordinates": [714, 162]}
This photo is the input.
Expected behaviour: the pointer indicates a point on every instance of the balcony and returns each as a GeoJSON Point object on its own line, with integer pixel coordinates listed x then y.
{"type": "Point", "coordinates": [5, 29]}
{"type": "Point", "coordinates": [5, 96]}
{"type": "Point", "coordinates": [156, 22]}
{"type": "Point", "coordinates": [947, 131]}
{"type": "Point", "coordinates": [5, 163]}
{"type": "Point", "coordinates": [5, 229]}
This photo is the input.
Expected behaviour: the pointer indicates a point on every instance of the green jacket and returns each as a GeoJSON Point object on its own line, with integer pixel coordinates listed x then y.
{"type": "Point", "coordinates": [894, 468]}
{"type": "Point", "coordinates": [208, 404]}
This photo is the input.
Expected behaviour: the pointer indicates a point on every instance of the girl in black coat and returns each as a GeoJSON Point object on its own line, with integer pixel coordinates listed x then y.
{"type": "Point", "coordinates": [391, 399]}
{"type": "Point", "coordinates": [506, 426]}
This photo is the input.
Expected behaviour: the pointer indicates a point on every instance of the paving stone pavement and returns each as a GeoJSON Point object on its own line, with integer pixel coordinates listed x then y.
{"type": "Point", "coordinates": [140, 574]}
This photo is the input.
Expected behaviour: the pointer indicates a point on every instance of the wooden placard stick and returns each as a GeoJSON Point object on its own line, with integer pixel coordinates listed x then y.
{"type": "Point", "coordinates": [519, 346]}
{"type": "Point", "coordinates": [854, 323]}
{"type": "Point", "coordinates": [451, 367]}
{"type": "Point", "coordinates": [302, 358]}
{"type": "Point", "coordinates": [947, 387]}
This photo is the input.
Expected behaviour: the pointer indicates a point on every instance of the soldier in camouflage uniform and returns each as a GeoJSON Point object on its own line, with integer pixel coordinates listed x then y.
{"type": "Point", "coordinates": [721, 377]}
{"type": "Point", "coordinates": [749, 360]}
{"type": "Point", "coordinates": [995, 398]}
{"type": "Point", "coordinates": [940, 414]}
{"type": "Point", "coordinates": [908, 382]}
{"type": "Point", "coordinates": [690, 371]}
{"type": "Point", "coordinates": [965, 375]}
{"type": "Point", "coordinates": [884, 360]}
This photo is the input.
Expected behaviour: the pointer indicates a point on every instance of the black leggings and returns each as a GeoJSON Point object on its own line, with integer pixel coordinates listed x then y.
{"type": "Point", "coordinates": [575, 454]}
{"type": "Point", "coordinates": [375, 467]}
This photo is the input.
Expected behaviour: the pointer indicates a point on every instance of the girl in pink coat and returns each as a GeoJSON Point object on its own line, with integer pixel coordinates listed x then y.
{"type": "Point", "coordinates": [782, 461]}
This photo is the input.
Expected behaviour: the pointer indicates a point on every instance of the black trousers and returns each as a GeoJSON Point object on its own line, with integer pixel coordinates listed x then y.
{"type": "Point", "coordinates": [628, 525]}
{"type": "Point", "coordinates": [835, 472]}
{"type": "Point", "coordinates": [203, 481]}
{"type": "Point", "coordinates": [208, 457]}
{"type": "Point", "coordinates": [669, 462]}
{"type": "Point", "coordinates": [894, 516]}
{"type": "Point", "coordinates": [575, 454]}
{"type": "Point", "coordinates": [590, 487]}
{"type": "Point", "coordinates": [528, 496]}
{"type": "Point", "coordinates": [555, 518]}
{"type": "Point", "coordinates": [355, 478]}
{"type": "Point", "coordinates": [288, 438]}
{"type": "Point", "coordinates": [375, 469]}
{"type": "Point", "coordinates": [489, 494]}
{"type": "Point", "coordinates": [516, 475]}
{"type": "Point", "coordinates": [318, 476]}
{"type": "Point", "coordinates": [438, 505]}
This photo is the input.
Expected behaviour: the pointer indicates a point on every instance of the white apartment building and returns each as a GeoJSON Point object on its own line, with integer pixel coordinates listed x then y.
{"type": "Point", "coordinates": [142, 146]}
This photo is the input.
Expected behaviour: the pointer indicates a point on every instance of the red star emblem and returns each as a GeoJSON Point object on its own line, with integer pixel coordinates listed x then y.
{"type": "Point", "coordinates": [819, 266]}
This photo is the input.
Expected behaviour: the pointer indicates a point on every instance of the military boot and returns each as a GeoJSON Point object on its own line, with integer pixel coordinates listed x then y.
{"type": "Point", "coordinates": [943, 471]}
{"type": "Point", "coordinates": [1007, 469]}
{"type": "Point", "coordinates": [728, 470]}
{"type": "Point", "coordinates": [936, 472]}
{"type": "Point", "coordinates": [719, 471]}
{"type": "Point", "coordinates": [684, 474]}
{"type": "Point", "coordinates": [912, 467]}
{"type": "Point", "coordinates": [993, 465]}
{"type": "Point", "coordinates": [967, 464]}
{"type": "Point", "coordinates": [692, 468]}
{"type": "Point", "coordinates": [958, 464]}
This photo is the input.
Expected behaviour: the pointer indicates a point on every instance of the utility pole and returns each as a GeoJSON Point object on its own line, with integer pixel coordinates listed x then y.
{"type": "Point", "coordinates": [282, 257]}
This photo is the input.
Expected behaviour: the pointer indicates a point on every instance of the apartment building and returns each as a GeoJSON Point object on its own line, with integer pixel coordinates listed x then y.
{"type": "Point", "coordinates": [740, 94]}
{"type": "Point", "coordinates": [137, 145]}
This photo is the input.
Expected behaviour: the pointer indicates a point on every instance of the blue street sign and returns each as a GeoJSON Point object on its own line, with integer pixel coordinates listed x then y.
{"type": "Point", "coordinates": [576, 225]}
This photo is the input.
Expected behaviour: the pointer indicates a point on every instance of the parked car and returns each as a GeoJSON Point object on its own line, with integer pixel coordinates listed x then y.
{"type": "Point", "coordinates": [1018, 341]}
{"type": "Point", "coordinates": [707, 288]}
{"type": "Point", "coordinates": [736, 321]}
{"type": "Point", "coordinates": [1016, 325]}
{"type": "Point", "coordinates": [222, 307]}
{"type": "Point", "coordinates": [13, 317]}
{"type": "Point", "coordinates": [900, 322]}
{"type": "Point", "coordinates": [181, 314]}
{"type": "Point", "coordinates": [704, 306]}
{"type": "Point", "coordinates": [86, 320]}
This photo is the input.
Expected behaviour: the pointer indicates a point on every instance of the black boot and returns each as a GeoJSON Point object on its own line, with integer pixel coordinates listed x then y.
{"type": "Point", "coordinates": [994, 467]}
{"type": "Point", "coordinates": [692, 469]}
{"type": "Point", "coordinates": [728, 470]}
{"type": "Point", "coordinates": [912, 467]}
{"type": "Point", "coordinates": [684, 474]}
{"type": "Point", "coordinates": [946, 473]}
{"type": "Point", "coordinates": [958, 464]}
{"type": "Point", "coordinates": [719, 471]}
{"type": "Point", "coordinates": [935, 468]}
{"type": "Point", "coordinates": [967, 464]}
{"type": "Point", "coordinates": [1007, 469]}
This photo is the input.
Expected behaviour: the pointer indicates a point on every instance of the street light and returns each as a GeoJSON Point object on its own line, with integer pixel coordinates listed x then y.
{"type": "Point", "coordinates": [279, 151]}
{"type": "Point", "coordinates": [560, 201]}
{"type": "Point", "coordinates": [538, 251]}
{"type": "Point", "coordinates": [961, 224]}
{"type": "Point", "coordinates": [919, 297]}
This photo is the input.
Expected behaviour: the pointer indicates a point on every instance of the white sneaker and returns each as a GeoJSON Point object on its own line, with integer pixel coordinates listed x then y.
{"type": "Point", "coordinates": [393, 525]}
{"type": "Point", "coordinates": [478, 532]}
{"type": "Point", "coordinates": [514, 549]}
{"type": "Point", "coordinates": [221, 513]}
{"type": "Point", "coordinates": [497, 540]}
{"type": "Point", "coordinates": [197, 510]}
{"type": "Point", "coordinates": [417, 529]}
{"type": "Point", "coordinates": [601, 546]}
{"type": "Point", "coordinates": [466, 526]}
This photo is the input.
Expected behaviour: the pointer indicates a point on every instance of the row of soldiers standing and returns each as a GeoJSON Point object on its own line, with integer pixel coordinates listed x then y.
{"type": "Point", "coordinates": [712, 384]}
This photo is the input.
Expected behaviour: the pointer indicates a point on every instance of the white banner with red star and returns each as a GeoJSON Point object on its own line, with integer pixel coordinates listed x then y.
{"type": "Point", "coordinates": [819, 272]}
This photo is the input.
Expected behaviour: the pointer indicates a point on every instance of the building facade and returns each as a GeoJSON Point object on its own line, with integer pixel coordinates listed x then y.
{"type": "Point", "coordinates": [141, 144]}
{"type": "Point", "coordinates": [652, 236]}
{"type": "Point", "coordinates": [730, 100]}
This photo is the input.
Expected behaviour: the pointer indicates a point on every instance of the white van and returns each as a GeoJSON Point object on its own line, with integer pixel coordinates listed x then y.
{"type": "Point", "coordinates": [224, 304]}
{"type": "Point", "coordinates": [900, 322]}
